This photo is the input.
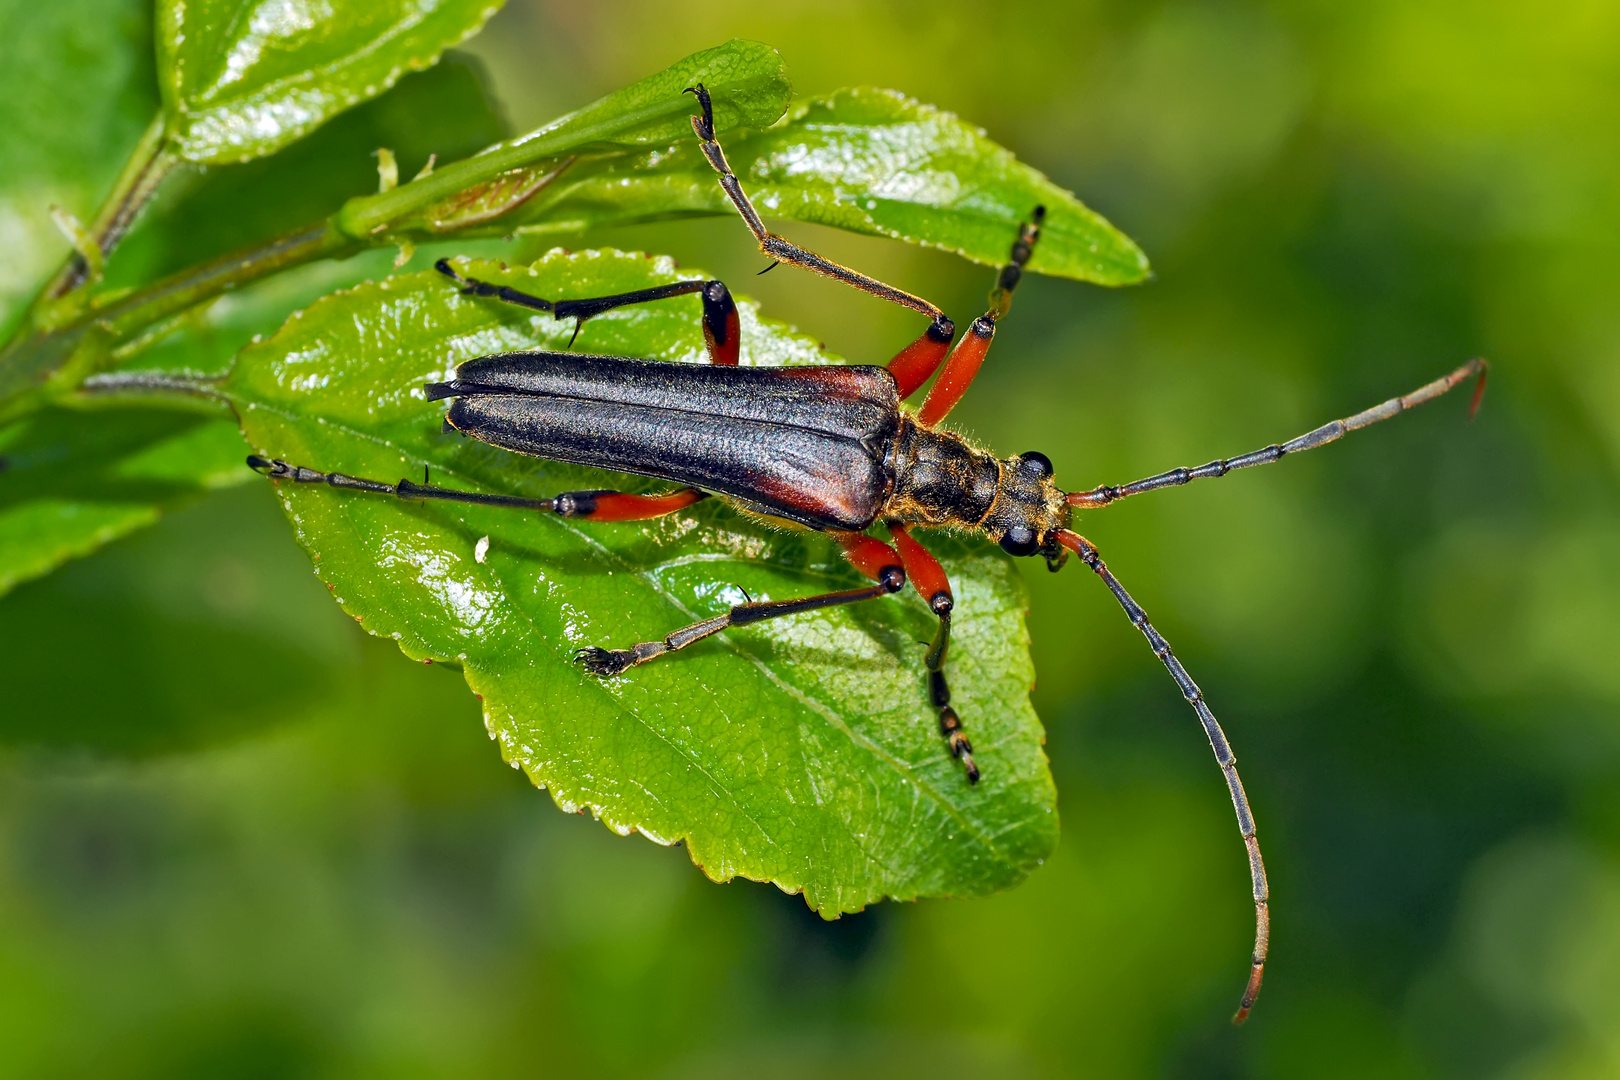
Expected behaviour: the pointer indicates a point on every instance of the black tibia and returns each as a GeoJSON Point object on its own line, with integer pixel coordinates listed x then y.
{"type": "Point", "coordinates": [1107, 493]}
{"type": "Point", "coordinates": [607, 662]}
{"type": "Point", "coordinates": [570, 504]}
{"type": "Point", "coordinates": [718, 307]}
{"type": "Point", "coordinates": [1223, 755]}
{"type": "Point", "coordinates": [773, 245]}
{"type": "Point", "coordinates": [1013, 272]}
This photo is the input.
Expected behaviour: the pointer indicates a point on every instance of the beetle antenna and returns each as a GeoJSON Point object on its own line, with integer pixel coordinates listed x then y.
{"type": "Point", "coordinates": [1477, 369]}
{"type": "Point", "coordinates": [1217, 741]}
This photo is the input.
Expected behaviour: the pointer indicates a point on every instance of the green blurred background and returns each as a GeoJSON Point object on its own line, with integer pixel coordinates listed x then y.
{"type": "Point", "coordinates": [239, 838]}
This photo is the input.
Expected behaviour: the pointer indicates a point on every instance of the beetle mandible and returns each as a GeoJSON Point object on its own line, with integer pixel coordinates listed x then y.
{"type": "Point", "coordinates": [828, 448]}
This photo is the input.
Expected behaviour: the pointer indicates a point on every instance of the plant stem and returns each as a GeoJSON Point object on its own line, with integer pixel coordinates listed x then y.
{"type": "Point", "coordinates": [368, 214]}
{"type": "Point", "coordinates": [163, 389]}
{"type": "Point", "coordinates": [136, 311]}
{"type": "Point", "coordinates": [148, 164]}
{"type": "Point", "coordinates": [69, 334]}
{"type": "Point", "coordinates": [69, 339]}
{"type": "Point", "coordinates": [56, 358]}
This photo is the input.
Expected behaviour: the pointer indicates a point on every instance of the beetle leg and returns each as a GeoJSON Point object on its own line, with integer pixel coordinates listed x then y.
{"type": "Point", "coordinates": [873, 558]}
{"type": "Point", "coordinates": [608, 662]}
{"type": "Point", "coordinates": [779, 249]}
{"type": "Point", "coordinates": [870, 556]}
{"type": "Point", "coordinates": [928, 578]}
{"type": "Point", "coordinates": [583, 505]}
{"type": "Point", "coordinates": [474, 287]}
{"type": "Point", "coordinates": [969, 353]}
{"type": "Point", "coordinates": [621, 506]}
{"type": "Point", "coordinates": [721, 330]}
{"type": "Point", "coordinates": [912, 365]}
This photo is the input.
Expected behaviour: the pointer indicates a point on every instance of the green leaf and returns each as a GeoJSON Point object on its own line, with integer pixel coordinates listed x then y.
{"type": "Point", "coordinates": [801, 751]}
{"type": "Point", "coordinates": [71, 339]}
{"type": "Point", "coordinates": [747, 85]}
{"type": "Point", "coordinates": [49, 514]}
{"type": "Point", "coordinates": [242, 78]}
{"type": "Point", "coordinates": [72, 481]}
{"type": "Point", "coordinates": [871, 161]}
{"type": "Point", "coordinates": [79, 95]}
{"type": "Point", "coordinates": [447, 110]}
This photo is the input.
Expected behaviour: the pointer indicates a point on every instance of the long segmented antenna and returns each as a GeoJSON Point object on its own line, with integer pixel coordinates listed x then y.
{"type": "Point", "coordinates": [1223, 754]}
{"type": "Point", "coordinates": [1107, 493]}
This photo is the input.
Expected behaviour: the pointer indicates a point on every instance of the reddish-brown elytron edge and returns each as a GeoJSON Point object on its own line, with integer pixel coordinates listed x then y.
{"type": "Point", "coordinates": [824, 448]}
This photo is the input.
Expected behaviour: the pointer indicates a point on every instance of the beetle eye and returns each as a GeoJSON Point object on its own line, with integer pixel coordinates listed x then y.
{"type": "Point", "coordinates": [1019, 540]}
{"type": "Point", "coordinates": [1035, 464]}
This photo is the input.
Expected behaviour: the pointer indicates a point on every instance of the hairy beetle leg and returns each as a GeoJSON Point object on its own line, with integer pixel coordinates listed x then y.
{"type": "Point", "coordinates": [871, 557]}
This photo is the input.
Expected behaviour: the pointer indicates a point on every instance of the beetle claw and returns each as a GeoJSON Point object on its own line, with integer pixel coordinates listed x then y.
{"type": "Point", "coordinates": [605, 663]}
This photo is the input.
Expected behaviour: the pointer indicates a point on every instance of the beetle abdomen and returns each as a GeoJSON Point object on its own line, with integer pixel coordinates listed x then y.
{"type": "Point", "coordinates": [810, 444]}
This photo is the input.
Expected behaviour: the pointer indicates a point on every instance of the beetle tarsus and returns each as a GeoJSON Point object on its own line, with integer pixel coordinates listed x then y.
{"type": "Point", "coordinates": [276, 469]}
{"type": "Point", "coordinates": [950, 726]}
{"type": "Point", "coordinates": [475, 287]}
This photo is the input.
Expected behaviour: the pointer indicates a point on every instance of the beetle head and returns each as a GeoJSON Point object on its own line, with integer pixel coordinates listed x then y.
{"type": "Point", "coordinates": [1029, 510]}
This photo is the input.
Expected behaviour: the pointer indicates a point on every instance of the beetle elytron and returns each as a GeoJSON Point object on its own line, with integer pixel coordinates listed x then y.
{"type": "Point", "coordinates": [827, 448]}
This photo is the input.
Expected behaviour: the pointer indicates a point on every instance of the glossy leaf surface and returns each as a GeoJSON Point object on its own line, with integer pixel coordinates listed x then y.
{"type": "Point", "coordinates": [801, 751]}
{"type": "Point", "coordinates": [202, 214]}
{"type": "Point", "coordinates": [242, 78]}
{"type": "Point", "coordinates": [747, 84]}
{"type": "Point", "coordinates": [871, 161]}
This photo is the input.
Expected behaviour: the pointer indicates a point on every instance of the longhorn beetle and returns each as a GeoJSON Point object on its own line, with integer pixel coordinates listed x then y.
{"type": "Point", "coordinates": [826, 448]}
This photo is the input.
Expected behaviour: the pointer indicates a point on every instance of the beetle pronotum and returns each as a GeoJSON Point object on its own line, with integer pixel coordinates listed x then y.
{"type": "Point", "coordinates": [828, 448]}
